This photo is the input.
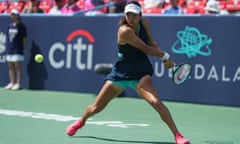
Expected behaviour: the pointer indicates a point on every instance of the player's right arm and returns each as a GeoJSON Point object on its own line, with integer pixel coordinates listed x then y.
{"type": "Point", "coordinates": [126, 35]}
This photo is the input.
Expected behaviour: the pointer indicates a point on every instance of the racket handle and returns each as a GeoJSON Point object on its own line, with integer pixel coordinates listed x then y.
{"type": "Point", "coordinates": [175, 66]}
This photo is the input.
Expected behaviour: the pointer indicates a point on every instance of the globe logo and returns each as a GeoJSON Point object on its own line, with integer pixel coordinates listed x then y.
{"type": "Point", "coordinates": [191, 42]}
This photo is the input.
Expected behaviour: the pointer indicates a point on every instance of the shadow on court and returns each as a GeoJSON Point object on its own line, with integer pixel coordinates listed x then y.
{"type": "Point", "coordinates": [122, 141]}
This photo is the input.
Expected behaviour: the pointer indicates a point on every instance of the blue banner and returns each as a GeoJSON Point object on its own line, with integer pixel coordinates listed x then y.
{"type": "Point", "coordinates": [72, 46]}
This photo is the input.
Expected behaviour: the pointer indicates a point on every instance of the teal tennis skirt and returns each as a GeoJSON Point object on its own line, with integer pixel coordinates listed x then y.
{"type": "Point", "coordinates": [126, 84]}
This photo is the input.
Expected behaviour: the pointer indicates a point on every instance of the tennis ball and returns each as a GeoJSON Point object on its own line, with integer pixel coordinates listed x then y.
{"type": "Point", "coordinates": [38, 58]}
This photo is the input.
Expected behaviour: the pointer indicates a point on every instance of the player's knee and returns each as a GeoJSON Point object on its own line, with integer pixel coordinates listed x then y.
{"type": "Point", "coordinates": [94, 109]}
{"type": "Point", "coordinates": [157, 104]}
{"type": "Point", "coordinates": [154, 102]}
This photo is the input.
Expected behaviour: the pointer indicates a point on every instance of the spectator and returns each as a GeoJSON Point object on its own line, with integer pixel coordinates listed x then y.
{"type": "Point", "coordinates": [174, 8]}
{"type": "Point", "coordinates": [56, 9]}
{"type": "Point", "coordinates": [88, 5]}
{"type": "Point", "coordinates": [153, 4]}
{"type": "Point", "coordinates": [70, 7]}
{"type": "Point", "coordinates": [91, 4]}
{"type": "Point", "coordinates": [118, 6]}
{"type": "Point", "coordinates": [33, 7]}
{"type": "Point", "coordinates": [16, 41]}
{"type": "Point", "coordinates": [212, 7]}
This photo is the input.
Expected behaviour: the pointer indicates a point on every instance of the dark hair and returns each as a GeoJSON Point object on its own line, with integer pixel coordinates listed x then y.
{"type": "Point", "coordinates": [134, 2]}
{"type": "Point", "coordinates": [123, 20]}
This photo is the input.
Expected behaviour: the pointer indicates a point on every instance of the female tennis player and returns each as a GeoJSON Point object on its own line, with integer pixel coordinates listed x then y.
{"type": "Point", "coordinates": [132, 69]}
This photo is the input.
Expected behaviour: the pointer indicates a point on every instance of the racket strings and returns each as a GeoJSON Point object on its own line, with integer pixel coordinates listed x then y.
{"type": "Point", "coordinates": [181, 73]}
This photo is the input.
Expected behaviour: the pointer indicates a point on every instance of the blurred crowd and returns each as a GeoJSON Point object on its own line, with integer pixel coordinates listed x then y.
{"type": "Point", "coordinates": [99, 6]}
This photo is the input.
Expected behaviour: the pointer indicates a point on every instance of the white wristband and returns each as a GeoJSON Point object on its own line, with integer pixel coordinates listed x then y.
{"type": "Point", "coordinates": [165, 57]}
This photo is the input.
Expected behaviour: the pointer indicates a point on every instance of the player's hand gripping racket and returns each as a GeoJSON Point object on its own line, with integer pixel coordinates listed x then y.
{"type": "Point", "coordinates": [181, 73]}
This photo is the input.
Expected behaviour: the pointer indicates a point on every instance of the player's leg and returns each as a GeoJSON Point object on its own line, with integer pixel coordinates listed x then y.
{"type": "Point", "coordinates": [106, 94]}
{"type": "Point", "coordinates": [18, 71]}
{"type": "Point", "coordinates": [11, 72]}
{"type": "Point", "coordinates": [146, 89]}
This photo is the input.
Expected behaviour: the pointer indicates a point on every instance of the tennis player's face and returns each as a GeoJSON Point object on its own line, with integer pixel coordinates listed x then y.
{"type": "Point", "coordinates": [132, 19]}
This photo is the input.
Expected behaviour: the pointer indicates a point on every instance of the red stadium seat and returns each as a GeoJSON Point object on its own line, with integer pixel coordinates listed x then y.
{"type": "Point", "coordinates": [16, 5]}
{"type": "Point", "coordinates": [196, 6]}
{"type": "Point", "coordinates": [80, 4]}
{"type": "Point", "coordinates": [152, 11]}
{"type": "Point", "coordinates": [232, 5]}
{"type": "Point", "coordinates": [182, 3]}
{"type": "Point", "coordinates": [2, 6]}
{"type": "Point", "coordinates": [222, 4]}
{"type": "Point", "coordinates": [45, 6]}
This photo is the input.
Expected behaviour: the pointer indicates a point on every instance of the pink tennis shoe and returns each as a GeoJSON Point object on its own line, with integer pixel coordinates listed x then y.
{"type": "Point", "coordinates": [179, 139]}
{"type": "Point", "coordinates": [72, 129]}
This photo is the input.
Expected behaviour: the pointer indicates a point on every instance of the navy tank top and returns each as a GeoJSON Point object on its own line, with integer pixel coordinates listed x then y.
{"type": "Point", "coordinates": [132, 64]}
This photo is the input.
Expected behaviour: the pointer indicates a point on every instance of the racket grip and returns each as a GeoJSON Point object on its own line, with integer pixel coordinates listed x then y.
{"type": "Point", "coordinates": [175, 66]}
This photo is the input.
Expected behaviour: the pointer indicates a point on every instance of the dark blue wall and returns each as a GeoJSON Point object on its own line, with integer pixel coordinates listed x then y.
{"type": "Point", "coordinates": [73, 45]}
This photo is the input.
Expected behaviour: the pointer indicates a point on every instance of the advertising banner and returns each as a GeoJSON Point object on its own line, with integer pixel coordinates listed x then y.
{"type": "Point", "coordinates": [72, 46]}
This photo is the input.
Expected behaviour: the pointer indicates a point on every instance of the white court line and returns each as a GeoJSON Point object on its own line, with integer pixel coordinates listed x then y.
{"type": "Point", "coordinates": [63, 118]}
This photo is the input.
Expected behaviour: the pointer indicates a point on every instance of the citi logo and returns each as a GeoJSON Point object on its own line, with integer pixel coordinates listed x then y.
{"type": "Point", "coordinates": [77, 51]}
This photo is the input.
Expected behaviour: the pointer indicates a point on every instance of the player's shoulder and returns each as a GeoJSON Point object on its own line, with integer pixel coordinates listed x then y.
{"type": "Point", "coordinates": [125, 29]}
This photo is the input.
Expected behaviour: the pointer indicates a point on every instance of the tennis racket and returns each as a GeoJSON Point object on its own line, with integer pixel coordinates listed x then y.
{"type": "Point", "coordinates": [181, 73]}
